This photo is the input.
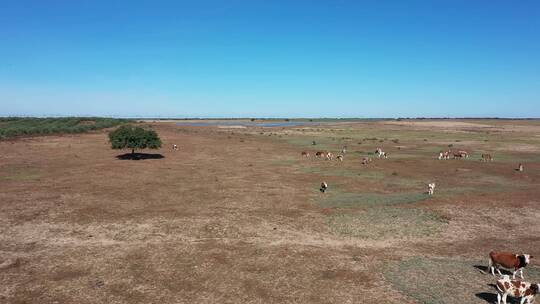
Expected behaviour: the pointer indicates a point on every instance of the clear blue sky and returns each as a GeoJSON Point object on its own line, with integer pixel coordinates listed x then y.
{"type": "Point", "coordinates": [270, 58]}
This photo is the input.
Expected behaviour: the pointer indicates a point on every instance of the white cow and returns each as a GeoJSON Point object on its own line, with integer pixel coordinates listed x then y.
{"type": "Point", "coordinates": [381, 153]}
{"type": "Point", "coordinates": [431, 188]}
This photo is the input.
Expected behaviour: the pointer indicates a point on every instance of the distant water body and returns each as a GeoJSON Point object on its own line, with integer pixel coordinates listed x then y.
{"type": "Point", "coordinates": [247, 124]}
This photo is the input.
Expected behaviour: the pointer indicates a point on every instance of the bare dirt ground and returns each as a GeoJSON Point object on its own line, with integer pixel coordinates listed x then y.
{"type": "Point", "coordinates": [235, 216]}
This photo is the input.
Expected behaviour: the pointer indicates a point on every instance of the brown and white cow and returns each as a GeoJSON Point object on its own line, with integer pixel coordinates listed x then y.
{"type": "Point", "coordinates": [444, 155]}
{"type": "Point", "coordinates": [175, 147]}
{"type": "Point", "coordinates": [486, 157]}
{"type": "Point", "coordinates": [329, 156]}
{"type": "Point", "coordinates": [305, 154]}
{"type": "Point", "coordinates": [516, 288]}
{"type": "Point", "coordinates": [366, 160]}
{"type": "Point", "coordinates": [320, 154]}
{"type": "Point", "coordinates": [431, 188]}
{"type": "Point", "coordinates": [380, 153]}
{"type": "Point", "coordinates": [520, 168]}
{"type": "Point", "coordinates": [463, 153]}
{"type": "Point", "coordinates": [324, 186]}
{"type": "Point", "coordinates": [339, 157]}
{"type": "Point", "coordinates": [509, 261]}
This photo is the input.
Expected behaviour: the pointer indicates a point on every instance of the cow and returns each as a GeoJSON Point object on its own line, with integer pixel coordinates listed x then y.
{"type": "Point", "coordinates": [305, 154]}
{"type": "Point", "coordinates": [174, 147]}
{"type": "Point", "coordinates": [324, 186]}
{"type": "Point", "coordinates": [516, 288]}
{"type": "Point", "coordinates": [509, 261]}
{"type": "Point", "coordinates": [520, 168]}
{"type": "Point", "coordinates": [380, 153]}
{"type": "Point", "coordinates": [339, 157]}
{"type": "Point", "coordinates": [458, 155]}
{"type": "Point", "coordinates": [431, 188]}
{"type": "Point", "coordinates": [344, 150]}
{"type": "Point", "coordinates": [366, 160]}
{"type": "Point", "coordinates": [464, 154]}
{"type": "Point", "coordinates": [486, 157]}
{"type": "Point", "coordinates": [320, 154]}
{"type": "Point", "coordinates": [329, 156]}
{"type": "Point", "coordinates": [444, 155]}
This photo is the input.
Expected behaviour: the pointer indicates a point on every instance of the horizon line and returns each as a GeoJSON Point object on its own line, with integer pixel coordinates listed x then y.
{"type": "Point", "coordinates": [161, 117]}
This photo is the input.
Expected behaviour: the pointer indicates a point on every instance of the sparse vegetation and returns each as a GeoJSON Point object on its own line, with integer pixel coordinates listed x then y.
{"type": "Point", "coordinates": [388, 223]}
{"type": "Point", "coordinates": [440, 280]}
{"type": "Point", "coordinates": [339, 199]}
{"type": "Point", "coordinates": [252, 212]}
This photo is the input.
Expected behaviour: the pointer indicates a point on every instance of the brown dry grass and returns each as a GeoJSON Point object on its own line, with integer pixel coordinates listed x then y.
{"type": "Point", "coordinates": [234, 216]}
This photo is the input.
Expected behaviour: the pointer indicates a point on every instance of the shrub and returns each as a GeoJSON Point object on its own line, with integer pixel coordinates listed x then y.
{"type": "Point", "coordinates": [129, 137]}
{"type": "Point", "coordinates": [19, 126]}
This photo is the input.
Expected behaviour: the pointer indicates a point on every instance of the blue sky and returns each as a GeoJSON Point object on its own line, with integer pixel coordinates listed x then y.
{"type": "Point", "coordinates": [270, 58]}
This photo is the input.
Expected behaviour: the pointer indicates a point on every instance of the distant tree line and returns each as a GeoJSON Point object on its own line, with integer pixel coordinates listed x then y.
{"type": "Point", "coordinates": [31, 126]}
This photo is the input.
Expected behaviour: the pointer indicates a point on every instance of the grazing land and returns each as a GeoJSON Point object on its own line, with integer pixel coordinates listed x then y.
{"type": "Point", "coordinates": [235, 214]}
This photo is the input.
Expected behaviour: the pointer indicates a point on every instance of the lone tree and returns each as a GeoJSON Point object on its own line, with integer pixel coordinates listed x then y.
{"type": "Point", "coordinates": [129, 137]}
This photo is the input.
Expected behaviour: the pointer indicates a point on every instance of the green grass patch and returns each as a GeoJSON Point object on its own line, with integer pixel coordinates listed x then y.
{"type": "Point", "coordinates": [284, 162]}
{"type": "Point", "coordinates": [445, 280]}
{"type": "Point", "coordinates": [341, 172]}
{"type": "Point", "coordinates": [17, 173]}
{"type": "Point", "coordinates": [338, 199]}
{"type": "Point", "coordinates": [368, 175]}
{"type": "Point", "coordinates": [384, 223]}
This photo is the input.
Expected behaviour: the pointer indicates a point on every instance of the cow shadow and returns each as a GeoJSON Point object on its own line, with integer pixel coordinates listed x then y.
{"type": "Point", "coordinates": [489, 297]}
{"type": "Point", "coordinates": [485, 270]}
{"type": "Point", "coordinates": [139, 156]}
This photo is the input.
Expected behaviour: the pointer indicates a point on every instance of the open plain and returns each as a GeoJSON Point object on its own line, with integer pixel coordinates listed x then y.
{"type": "Point", "coordinates": [235, 214]}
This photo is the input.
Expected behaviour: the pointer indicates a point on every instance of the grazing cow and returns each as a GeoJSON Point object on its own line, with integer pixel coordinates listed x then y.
{"type": "Point", "coordinates": [366, 160]}
{"type": "Point", "coordinates": [520, 168]}
{"type": "Point", "coordinates": [431, 188]}
{"type": "Point", "coordinates": [329, 156]}
{"type": "Point", "coordinates": [380, 153]}
{"type": "Point", "coordinates": [486, 157]}
{"type": "Point", "coordinates": [344, 150]}
{"type": "Point", "coordinates": [464, 154]}
{"type": "Point", "coordinates": [444, 155]}
{"type": "Point", "coordinates": [458, 155]}
{"type": "Point", "coordinates": [509, 261]}
{"type": "Point", "coordinates": [320, 154]}
{"type": "Point", "coordinates": [174, 147]}
{"type": "Point", "coordinates": [305, 154]}
{"type": "Point", "coordinates": [324, 186]}
{"type": "Point", "coordinates": [516, 288]}
{"type": "Point", "coordinates": [339, 157]}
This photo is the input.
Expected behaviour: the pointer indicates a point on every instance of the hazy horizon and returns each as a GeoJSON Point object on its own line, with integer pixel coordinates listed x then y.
{"type": "Point", "coordinates": [304, 59]}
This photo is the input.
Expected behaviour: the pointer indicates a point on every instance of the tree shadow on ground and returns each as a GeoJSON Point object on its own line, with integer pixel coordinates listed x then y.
{"type": "Point", "coordinates": [139, 156]}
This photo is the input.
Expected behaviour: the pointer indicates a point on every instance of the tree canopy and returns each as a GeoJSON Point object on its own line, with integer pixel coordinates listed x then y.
{"type": "Point", "coordinates": [129, 137]}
